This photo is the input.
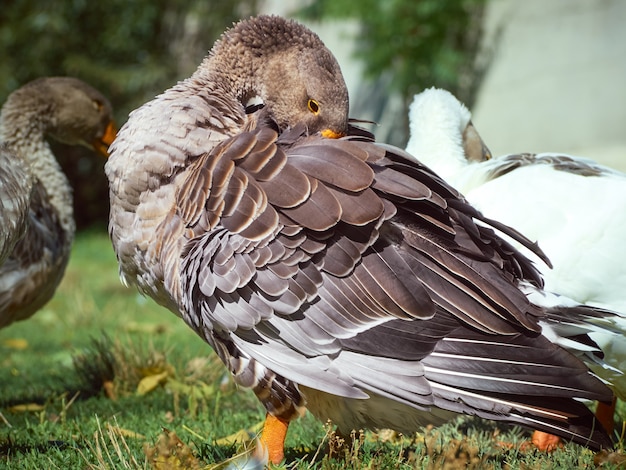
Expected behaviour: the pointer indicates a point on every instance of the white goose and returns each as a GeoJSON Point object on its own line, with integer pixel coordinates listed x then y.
{"type": "Point", "coordinates": [36, 215]}
{"type": "Point", "coordinates": [574, 207]}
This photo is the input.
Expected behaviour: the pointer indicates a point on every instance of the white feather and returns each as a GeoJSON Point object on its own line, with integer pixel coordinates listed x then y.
{"type": "Point", "coordinates": [579, 221]}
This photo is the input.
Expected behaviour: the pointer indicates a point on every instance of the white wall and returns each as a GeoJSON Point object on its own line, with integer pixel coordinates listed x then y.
{"type": "Point", "coordinates": [558, 81]}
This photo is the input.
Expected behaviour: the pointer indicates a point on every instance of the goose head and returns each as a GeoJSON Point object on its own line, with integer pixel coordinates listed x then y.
{"type": "Point", "coordinates": [442, 134]}
{"type": "Point", "coordinates": [63, 108]}
{"type": "Point", "coordinates": [284, 67]}
{"type": "Point", "coordinates": [83, 116]}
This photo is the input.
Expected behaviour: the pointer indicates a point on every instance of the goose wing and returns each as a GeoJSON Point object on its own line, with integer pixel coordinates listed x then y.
{"type": "Point", "coordinates": [342, 266]}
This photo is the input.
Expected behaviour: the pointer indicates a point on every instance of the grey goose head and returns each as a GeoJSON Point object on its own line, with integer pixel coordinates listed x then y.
{"type": "Point", "coordinates": [63, 108]}
{"type": "Point", "coordinates": [36, 207]}
{"type": "Point", "coordinates": [284, 65]}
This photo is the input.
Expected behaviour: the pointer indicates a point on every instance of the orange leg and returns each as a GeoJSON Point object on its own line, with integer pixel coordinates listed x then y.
{"type": "Point", "coordinates": [273, 437]}
{"type": "Point", "coordinates": [605, 413]}
{"type": "Point", "coordinates": [546, 442]}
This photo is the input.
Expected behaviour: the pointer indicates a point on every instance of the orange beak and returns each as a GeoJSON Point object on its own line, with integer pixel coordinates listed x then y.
{"type": "Point", "coordinates": [101, 145]}
{"type": "Point", "coordinates": [330, 134]}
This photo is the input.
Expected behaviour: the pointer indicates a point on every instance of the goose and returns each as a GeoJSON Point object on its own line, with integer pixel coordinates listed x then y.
{"type": "Point", "coordinates": [573, 206]}
{"type": "Point", "coordinates": [549, 191]}
{"type": "Point", "coordinates": [15, 185]}
{"type": "Point", "coordinates": [327, 271]}
{"type": "Point", "coordinates": [35, 197]}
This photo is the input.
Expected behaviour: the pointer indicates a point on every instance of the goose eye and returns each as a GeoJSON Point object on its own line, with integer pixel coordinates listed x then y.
{"type": "Point", "coordinates": [98, 105]}
{"type": "Point", "coordinates": [314, 107]}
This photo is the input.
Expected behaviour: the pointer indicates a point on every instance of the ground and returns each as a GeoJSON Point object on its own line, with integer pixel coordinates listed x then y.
{"type": "Point", "coordinates": [103, 378]}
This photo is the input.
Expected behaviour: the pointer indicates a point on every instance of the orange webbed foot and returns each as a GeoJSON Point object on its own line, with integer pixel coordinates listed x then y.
{"type": "Point", "coordinates": [273, 438]}
{"type": "Point", "coordinates": [546, 442]}
{"type": "Point", "coordinates": [605, 413]}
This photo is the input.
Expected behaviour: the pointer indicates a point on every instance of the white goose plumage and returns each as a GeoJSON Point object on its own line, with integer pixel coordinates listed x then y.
{"type": "Point", "coordinates": [573, 207]}
{"type": "Point", "coordinates": [36, 214]}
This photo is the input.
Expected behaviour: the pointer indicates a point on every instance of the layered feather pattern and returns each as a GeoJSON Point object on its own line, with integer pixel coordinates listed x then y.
{"type": "Point", "coordinates": [338, 274]}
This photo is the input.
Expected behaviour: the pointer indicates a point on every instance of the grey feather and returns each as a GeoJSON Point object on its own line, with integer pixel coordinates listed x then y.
{"type": "Point", "coordinates": [363, 269]}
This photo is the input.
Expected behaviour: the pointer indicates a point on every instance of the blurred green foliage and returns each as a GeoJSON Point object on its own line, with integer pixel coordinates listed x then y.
{"type": "Point", "coordinates": [129, 50]}
{"type": "Point", "coordinates": [133, 50]}
{"type": "Point", "coordinates": [415, 43]}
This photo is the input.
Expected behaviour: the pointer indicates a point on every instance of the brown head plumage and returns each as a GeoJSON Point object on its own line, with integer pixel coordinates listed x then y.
{"type": "Point", "coordinates": [284, 64]}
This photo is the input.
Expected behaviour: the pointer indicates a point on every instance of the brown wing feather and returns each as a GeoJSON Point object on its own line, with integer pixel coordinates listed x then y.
{"type": "Point", "coordinates": [327, 189]}
{"type": "Point", "coordinates": [344, 251]}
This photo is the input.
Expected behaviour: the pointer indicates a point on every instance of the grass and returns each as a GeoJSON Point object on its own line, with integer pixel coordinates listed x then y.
{"type": "Point", "coordinates": [102, 378]}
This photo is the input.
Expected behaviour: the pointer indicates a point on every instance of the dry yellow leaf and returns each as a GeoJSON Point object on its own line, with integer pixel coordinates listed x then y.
{"type": "Point", "coordinates": [241, 436]}
{"type": "Point", "coordinates": [109, 390]}
{"type": "Point", "coordinates": [146, 328]}
{"type": "Point", "coordinates": [26, 407]}
{"type": "Point", "coordinates": [124, 432]}
{"type": "Point", "coordinates": [170, 453]}
{"type": "Point", "coordinates": [15, 343]}
{"type": "Point", "coordinates": [150, 382]}
{"type": "Point", "coordinates": [612, 458]}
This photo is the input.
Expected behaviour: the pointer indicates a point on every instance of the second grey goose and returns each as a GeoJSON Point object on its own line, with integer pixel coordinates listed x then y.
{"type": "Point", "coordinates": [35, 197]}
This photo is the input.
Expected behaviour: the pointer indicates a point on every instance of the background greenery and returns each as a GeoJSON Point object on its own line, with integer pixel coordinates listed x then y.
{"type": "Point", "coordinates": [415, 44]}
{"type": "Point", "coordinates": [133, 50]}
{"type": "Point", "coordinates": [129, 50]}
